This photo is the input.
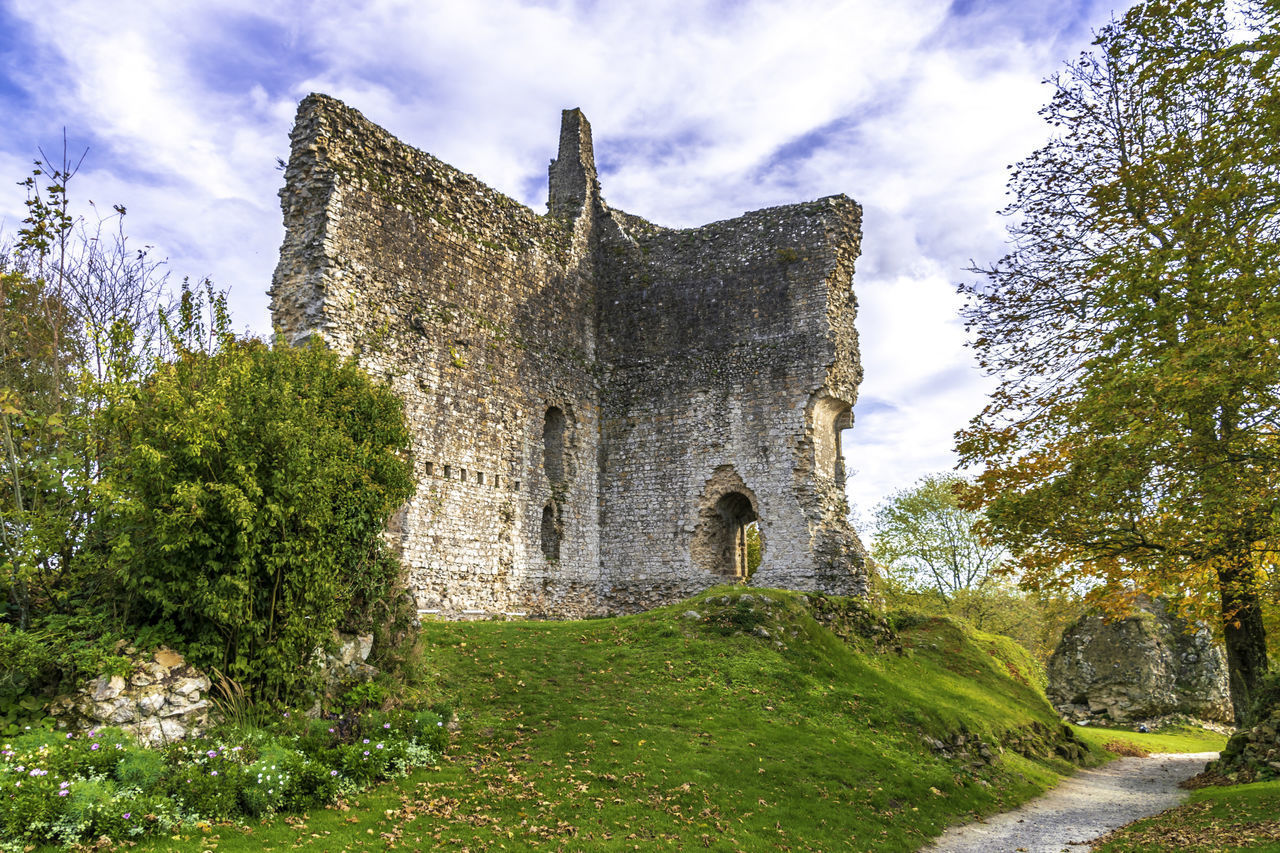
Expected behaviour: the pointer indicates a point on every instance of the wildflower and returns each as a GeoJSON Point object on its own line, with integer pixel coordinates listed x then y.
{"type": "Point", "coordinates": [213, 773]}
{"type": "Point", "coordinates": [379, 746]}
{"type": "Point", "coordinates": [95, 746]}
{"type": "Point", "coordinates": [128, 815]}
{"type": "Point", "coordinates": [119, 746]}
{"type": "Point", "coordinates": [439, 723]}
{"type": "Point", "coordinates": [68, 735]}
{"type": "Point", "coordinates": [366, 740]}
{"type": "Point", "coordinates": [63, 792]}
{"type": "Point", "coordinates": [366, 752]}
{"type": "Point", "coordinates": [330, 731]}
{"type": "Point", "coordinates": [213, 753]}
{"type": "Point", "coordinates": [64, 785]}
{"type": "Point", "coordinates": [386, 725]}
{"type": "Point", "coordinates": [333, 772]}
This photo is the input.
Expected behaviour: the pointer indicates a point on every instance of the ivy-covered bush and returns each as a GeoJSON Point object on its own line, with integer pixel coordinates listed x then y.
{"type": "Point", "coordinates": [248, 490]}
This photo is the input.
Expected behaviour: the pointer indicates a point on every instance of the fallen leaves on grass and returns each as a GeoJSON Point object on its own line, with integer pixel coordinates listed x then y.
{"type": "Point", "coordinates": [1186, 828]}
{"type": "Point", "coordinates": [1125, 747]}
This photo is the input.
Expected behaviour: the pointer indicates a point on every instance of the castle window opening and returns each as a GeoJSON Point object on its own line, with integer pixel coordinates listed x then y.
{"type": "Point", "coordinates": [553, 445]}
{"type": "Point", "coordinates": [479, 478]}
{"type": "Point", "coordinates": [431, 468]}
{"type": "Point", "coordinates": [497, 481]}
{"type": "Point", "coordinates": [831, 417]}
{"type": "Point", "coordinates": [728, 541]}
{"type": "Point", "coordinates": [551, 531]}
{"type": "Point", "coordinates": [448, 472]}
{"type": "Point", "coordinates": [462, 475]}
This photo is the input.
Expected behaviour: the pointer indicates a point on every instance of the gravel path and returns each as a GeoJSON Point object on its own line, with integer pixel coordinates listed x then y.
{"type": "Point", "coordinates": [1089, 804]}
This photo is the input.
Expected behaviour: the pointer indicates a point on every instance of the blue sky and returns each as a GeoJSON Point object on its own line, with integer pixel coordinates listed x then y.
{"type": "Point", "coordinates": [700, 111]}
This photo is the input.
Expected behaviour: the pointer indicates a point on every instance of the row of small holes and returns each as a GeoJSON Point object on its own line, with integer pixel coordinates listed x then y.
{"type": "Point", "coordinates": [462, 476]}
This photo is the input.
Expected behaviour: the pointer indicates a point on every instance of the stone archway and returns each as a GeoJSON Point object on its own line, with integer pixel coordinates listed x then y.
{"type": "Point", "coordinates": [727, 540]}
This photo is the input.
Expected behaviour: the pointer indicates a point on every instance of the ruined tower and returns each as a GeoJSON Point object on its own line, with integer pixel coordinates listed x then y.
{"type": "Point", "coordinates": [601, 407]}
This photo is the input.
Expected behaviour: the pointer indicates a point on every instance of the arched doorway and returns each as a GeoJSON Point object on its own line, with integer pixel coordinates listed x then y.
{"type": "Point", "coordinates": [727, 540]}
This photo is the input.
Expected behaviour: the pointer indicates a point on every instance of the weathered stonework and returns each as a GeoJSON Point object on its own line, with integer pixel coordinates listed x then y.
{"type": "Point", "coordinates": [1144, 666]}
{"type": "Point", "coordinates": [599, 405]}
{"type": "Point", "coordinates": [163, 700]}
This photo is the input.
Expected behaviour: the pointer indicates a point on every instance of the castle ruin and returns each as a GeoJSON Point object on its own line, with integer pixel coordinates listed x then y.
{"type": "Point", "coordinates": [602, 409]}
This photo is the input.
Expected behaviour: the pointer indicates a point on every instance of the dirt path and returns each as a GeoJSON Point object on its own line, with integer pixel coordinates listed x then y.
{"type": "Point", "coordinates": [1089, 804]}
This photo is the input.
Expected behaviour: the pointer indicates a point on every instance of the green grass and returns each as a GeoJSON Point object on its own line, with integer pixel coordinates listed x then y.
{"type": "Point", "coordinates": [1224, 820]}
{"type": "Point", "coordinates": [1174, 739]}
{"type": "Point", "coordinates": [769, 723]}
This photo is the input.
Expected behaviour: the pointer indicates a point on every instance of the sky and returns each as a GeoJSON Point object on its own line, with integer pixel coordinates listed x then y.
{"type": "Point", "coordinates": [700, 111]}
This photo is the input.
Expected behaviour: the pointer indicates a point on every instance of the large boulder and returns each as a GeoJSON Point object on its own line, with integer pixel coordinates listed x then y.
{"type": "Point", "coordinates": [1149, 664]}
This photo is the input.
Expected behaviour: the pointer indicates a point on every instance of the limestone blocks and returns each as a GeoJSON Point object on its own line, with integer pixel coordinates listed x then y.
{"type": "Point", "coordinates": [163, 699]}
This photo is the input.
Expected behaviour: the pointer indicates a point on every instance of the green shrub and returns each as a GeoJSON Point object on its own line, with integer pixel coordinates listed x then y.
{"type": "Point", "coordinates": [143, 769]}
{"type": "Point", "coordinates": [249, 495]}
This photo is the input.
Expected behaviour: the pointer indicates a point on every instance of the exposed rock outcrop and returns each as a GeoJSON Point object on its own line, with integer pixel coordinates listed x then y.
{"type": "Point", "coordinates": [1253, 753]}
{"type": "Point", "coordinates": [1148, 664]}
{"type": "Point", "coordinates": [163, 699]}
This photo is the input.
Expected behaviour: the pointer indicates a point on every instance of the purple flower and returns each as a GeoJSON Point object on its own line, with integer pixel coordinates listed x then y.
{"type": "Point", "coordinates": [333, 772]}
{"type": "Point", "coordinates": [128, 815]}
{"type": "Point", "coordinates": [95, 746]}
{"type": "Point", "coordinates": [63, 792]}
{"type": "Point", "coordinates": [213, 773]}
{"type": "Point", "coordinates": [386, 725]}
{"type": "Point", "coordinates": [366, 740]}
{"type": "Point", "coordinates": [213, 753]}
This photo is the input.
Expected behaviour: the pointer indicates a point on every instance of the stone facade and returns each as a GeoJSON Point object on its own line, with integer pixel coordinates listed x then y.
{"type": "Point", "coordinates": [600, 406]}
{"type": "Point", "coordinates": [1140, 667]}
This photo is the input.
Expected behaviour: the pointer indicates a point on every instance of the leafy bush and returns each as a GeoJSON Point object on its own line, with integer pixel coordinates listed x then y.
{"type": "Point", "coordinates": [56, 788]}
{"type": "Point", "coordinates": [250, 492]}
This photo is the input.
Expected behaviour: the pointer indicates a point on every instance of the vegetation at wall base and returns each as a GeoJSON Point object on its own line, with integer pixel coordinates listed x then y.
{"type": "Point", "coordinates": [768, 720]}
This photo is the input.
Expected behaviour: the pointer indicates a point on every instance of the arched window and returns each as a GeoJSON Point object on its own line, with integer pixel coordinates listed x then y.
{"type": "Point", "coordinates": [551, 531]}
{"type": "Point", "coordinates": [553, 445]}
{"type": "Point", "coordinates": [831, 417]}
{"type": "Point", "coordinates": [727, 540]}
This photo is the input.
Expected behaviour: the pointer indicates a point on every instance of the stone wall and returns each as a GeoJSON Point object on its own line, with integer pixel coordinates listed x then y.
{"type": "Point", "coordinates": [599, 405]}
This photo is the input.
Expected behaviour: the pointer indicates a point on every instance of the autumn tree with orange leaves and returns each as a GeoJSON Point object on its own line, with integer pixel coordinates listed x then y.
{"type": "Point", "coordinates": [1134, 325]}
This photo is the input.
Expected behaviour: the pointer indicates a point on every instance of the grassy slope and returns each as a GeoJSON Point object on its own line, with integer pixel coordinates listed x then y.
{"type": "Point", "coordinates": [1183, 739]}
{"type": "Point", "coordinates": [663, 731]}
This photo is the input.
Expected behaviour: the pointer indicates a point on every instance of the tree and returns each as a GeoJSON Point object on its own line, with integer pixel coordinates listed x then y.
{"type": "Point", "coordinates": [1135, 324]}
{"type": "Point", "coordinates": [928, 539]}
{"type": "Point", "coordinates": [78, 312]}
{"type": "Point", "coordinates": [249, 490]}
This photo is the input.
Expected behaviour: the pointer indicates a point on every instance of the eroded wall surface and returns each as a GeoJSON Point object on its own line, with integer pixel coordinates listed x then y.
{"type": "Point", "coordinates": [597, 403]}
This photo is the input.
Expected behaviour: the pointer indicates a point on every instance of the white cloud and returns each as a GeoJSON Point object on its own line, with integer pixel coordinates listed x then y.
{"type": "Point", "coordinates": [700, 111]}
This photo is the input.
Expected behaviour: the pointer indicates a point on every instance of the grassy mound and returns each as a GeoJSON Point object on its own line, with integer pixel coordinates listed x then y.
{"type": "Point", "coordinates": [740, 719]}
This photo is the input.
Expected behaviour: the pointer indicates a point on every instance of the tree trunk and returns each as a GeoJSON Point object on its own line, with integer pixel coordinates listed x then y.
{"type": "Point", "coordinates": [1243, 631]}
